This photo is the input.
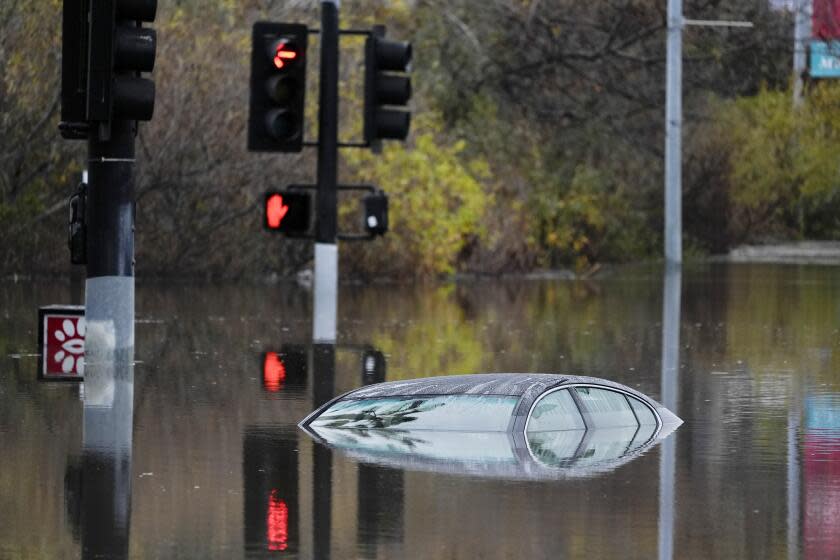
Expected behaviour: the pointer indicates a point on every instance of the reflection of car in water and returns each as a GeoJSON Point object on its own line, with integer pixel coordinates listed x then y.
{"type": "Point", "coordinates": [508, 425]}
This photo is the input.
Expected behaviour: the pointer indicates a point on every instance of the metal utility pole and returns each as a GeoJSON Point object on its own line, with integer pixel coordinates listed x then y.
{"type": "Point", "coordinates": [673, 136]}
{"type": "Point", "coordinates": [801, 35]}
{"type": "Point", "coordinates": [109, 288]}
{"type": "Point", "coordinates": [326, 248]}
{"type": "Point", "coordinates": [673, 125]}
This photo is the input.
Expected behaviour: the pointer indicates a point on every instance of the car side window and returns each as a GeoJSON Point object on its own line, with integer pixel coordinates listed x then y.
{"type": "Point", "coordinates": [605, 408]}
{"type": "Point", "coordinates": [556, 411]}
{"type": "Point", "coordinates": [643, 412]}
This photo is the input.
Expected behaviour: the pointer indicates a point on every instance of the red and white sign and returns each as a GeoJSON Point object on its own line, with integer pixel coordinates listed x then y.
{"type": "Point", "coordinates": [62, 342]}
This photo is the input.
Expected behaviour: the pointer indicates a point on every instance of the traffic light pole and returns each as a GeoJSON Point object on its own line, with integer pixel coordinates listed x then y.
{"type": "Point", "coordinates": [109, 288]}
{"type": "Point", "coordinates": [326, 250]}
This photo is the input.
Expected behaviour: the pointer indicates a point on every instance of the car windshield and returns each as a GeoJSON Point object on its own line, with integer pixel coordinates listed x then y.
{"type": "Point", "coordinates": [490, 413]}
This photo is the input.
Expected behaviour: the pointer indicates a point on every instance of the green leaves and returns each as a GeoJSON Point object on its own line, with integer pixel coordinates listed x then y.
{"type": "Point", "coordinates": [784, 163]}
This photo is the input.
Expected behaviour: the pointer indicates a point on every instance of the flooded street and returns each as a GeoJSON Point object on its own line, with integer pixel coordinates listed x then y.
{"type": "Point", "coordinates": [209, 461]}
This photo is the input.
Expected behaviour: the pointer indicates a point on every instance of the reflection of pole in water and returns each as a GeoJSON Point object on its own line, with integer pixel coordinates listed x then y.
{"type": "Point", "coordinates": [670, 393]}
{"type": "Point", "coordinates": [381, 494]}
{"type": "Point", "coordinates": [323, 388]}
{"type": "Point", "coordinates": [106, 453]}
{"type": "Point", "coordinates": [793, 480]}
{"type": "Point", "coordinates": [381, 518]}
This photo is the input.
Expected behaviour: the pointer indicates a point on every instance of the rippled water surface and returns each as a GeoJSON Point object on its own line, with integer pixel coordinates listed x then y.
{"type": "Point", "coordinates": [195, 451]}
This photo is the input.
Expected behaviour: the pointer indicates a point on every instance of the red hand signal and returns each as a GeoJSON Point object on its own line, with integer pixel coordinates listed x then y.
{"type": "Point", "coordinates": [275, 211]}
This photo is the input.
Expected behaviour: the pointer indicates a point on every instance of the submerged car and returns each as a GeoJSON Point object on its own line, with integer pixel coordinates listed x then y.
{"type": "Point", "coordinates": [510, 425]}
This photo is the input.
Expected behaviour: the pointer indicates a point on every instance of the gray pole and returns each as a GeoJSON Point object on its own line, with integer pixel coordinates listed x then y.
{"type": "Point", "coordinates": [673, 136]}
{"type": "Point", "coordinates": [801, 35]}
{"type": "Point", "coordinates": [793, 477]}
{"type": "Point", "coordinates": [671, 303]}
{"type": "Point", "coordinates": [326, 249]}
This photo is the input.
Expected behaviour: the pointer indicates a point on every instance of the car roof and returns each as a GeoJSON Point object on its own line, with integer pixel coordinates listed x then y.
{"type": "Point", "coordinates": [473, 384]}
{"type": "Point", "coordinates": [508, 384]}
{"type": "Point", "coordinates": [526, 386]}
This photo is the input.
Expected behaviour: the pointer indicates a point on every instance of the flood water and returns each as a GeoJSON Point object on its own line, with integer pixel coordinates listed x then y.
{"type": "Point", "coordinates": [209, 462]}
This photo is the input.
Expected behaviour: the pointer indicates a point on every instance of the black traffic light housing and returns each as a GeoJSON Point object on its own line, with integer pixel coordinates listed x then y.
{"type": "Point", "coordinates": [375, 206]}
{"type": "Point", "coordinates": [387, 88]}
{"type": "Point", "coordinates": [288, 212]}
{"type": "Point", "coordinates": [74, 61]}
{"type": "Point", "coordinates": [278, 87]}
{"type": "Point", "coordinates": [119, 49]}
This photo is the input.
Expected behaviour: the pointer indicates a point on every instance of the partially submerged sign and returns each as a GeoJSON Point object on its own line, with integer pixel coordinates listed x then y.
{"type": "Point", "coordinates": [61, 342]}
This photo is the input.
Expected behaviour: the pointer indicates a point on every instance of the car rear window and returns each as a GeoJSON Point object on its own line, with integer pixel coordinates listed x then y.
{"type": "Point", "coordinates": [605, 408]}
{"type": "Point", "coordinates": [490, 413]}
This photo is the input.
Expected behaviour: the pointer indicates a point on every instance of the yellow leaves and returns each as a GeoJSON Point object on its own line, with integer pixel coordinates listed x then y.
{"type": "Point", "coordinates": [573, 215]}
{"type": "Point", "coordinates": [436, 200]}
{"type": "Point", "coordinates": [780, 153]}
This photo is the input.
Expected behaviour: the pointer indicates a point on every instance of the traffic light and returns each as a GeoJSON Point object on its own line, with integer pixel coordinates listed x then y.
{"type": "Point", "coordinates": [375, 207]}
{"type": "Point", "coordinates": [288, 212]}
{"type": "Point", "coordinates": [387, 88]}
{"type": "Point", "coordinates": [119, 49]}
{"type": "Point", "coordinates": [278, 85]}
{"type": "Point", "coordinates": [74, 53]}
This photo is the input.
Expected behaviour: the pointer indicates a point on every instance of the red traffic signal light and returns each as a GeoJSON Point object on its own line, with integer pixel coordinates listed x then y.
{"type": "Point", "coordinates": [275, 210]}
{"type": "Point", "coordinates": [287, 212]}
{"type": "Point", "coordinates": [283, 53]}
{"type": "Point", "coordinates": [278, 86]}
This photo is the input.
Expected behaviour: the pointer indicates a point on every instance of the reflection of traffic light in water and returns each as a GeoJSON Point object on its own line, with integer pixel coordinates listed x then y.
{"type": "Point", "coordinates": [274, 372]}
{"type": "Point", "coordinates": [285, 371]}
{"type": "Point", "coordinates": [277, 522]}
{"type": "Point", "coordinates": [270, 472]}
{"type": "Point", "coordinates": [373, 366]}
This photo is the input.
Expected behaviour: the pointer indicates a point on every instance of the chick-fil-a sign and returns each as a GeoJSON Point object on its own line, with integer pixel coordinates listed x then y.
{"type": "Point", "coordinates": [61, 340]}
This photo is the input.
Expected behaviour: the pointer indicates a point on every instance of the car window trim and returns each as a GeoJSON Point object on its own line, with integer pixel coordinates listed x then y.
{"type": "Point", "coordinates": [581, 407]}
{"type": "Point", "coordinates": [584, 412]}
